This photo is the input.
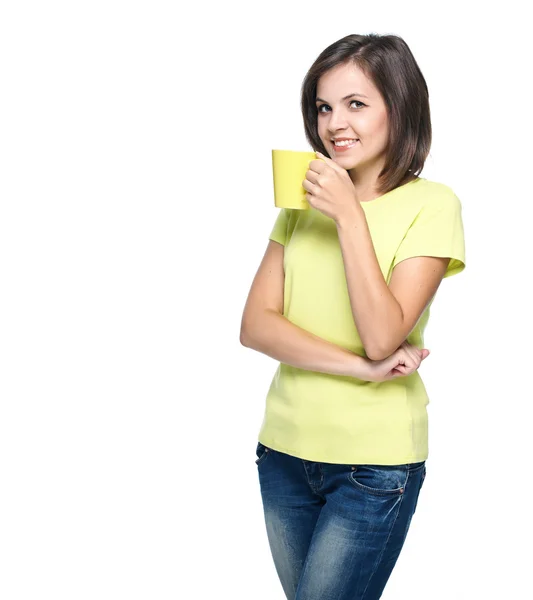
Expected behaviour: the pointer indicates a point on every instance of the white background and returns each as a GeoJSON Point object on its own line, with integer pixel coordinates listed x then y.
{"type": "Point", "coordinates": [136, 204]}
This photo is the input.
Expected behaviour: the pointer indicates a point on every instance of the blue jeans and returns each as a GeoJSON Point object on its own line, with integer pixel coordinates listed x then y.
{"type": "Point", "coordinates": [335, 531]}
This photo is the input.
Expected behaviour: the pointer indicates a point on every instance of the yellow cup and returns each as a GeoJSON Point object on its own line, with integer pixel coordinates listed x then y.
{"type": "Point", "coordinates": [289, 168]}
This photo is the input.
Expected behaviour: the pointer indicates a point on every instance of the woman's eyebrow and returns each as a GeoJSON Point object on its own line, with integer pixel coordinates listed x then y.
{"type": "Point", "coordinates": [345, 97]}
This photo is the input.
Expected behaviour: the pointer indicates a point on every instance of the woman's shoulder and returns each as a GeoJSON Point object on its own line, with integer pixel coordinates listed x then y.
{"type": "Point", "coordinates": [434, 195]}
{"type": "Point", "coordinates": [437, 188]}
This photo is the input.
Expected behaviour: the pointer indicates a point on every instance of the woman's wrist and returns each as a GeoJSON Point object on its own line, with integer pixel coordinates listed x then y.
{"type": "Point", "coordinates": [362, 368]}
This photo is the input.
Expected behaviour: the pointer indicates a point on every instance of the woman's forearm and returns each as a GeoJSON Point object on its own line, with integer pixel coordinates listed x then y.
{"type": "Point", "coordinates": [377, 315]}
{"type": "Point", "coordinates": [274, 335]}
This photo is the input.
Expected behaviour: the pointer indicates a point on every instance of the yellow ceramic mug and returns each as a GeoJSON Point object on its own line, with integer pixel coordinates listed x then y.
{"type": "Point", "coordinates": [289, 168]}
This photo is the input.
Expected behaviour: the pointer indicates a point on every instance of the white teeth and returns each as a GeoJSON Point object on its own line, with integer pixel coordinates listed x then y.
{"type": "Point", "coordinates": [345, 142]}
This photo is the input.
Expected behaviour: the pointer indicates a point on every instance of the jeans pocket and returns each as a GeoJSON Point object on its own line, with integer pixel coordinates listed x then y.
{"type": "Point", "coordinates": [379, 480]}
{"type": "Point", "coordinates": [261, 452]}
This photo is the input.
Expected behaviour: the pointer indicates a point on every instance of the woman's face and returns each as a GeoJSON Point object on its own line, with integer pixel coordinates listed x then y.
{"type": "Point", "coordinates": [351, 108]}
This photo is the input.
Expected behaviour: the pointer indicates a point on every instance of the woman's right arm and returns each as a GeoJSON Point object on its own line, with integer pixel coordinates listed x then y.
{"type": "Point", "coordinates": [265, 329]}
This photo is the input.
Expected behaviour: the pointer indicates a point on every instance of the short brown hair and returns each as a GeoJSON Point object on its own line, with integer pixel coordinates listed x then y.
{"type": "Point", "coordinates": [389, 63]}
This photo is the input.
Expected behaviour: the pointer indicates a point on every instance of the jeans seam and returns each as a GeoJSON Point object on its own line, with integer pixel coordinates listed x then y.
{"type": "Point", "coordinates": [378, 562]}
{"type": "Point", "coordinates": [309, 483]}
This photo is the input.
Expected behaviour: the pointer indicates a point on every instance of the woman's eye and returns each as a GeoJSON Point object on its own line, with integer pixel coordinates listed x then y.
{"type": "Point", "coordinates": [325, 106]}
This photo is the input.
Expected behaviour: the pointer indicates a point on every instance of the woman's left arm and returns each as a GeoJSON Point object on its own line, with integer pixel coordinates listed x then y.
{"type": "Point", "coordinates": [384, 315]}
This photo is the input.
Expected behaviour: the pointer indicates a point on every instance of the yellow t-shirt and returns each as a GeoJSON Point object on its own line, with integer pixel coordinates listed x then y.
{"type": "Point", "coordinates": [340, 419]}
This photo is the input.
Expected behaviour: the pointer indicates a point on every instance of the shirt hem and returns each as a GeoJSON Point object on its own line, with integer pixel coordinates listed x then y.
{"type": "Point", "coordinates": [353, 460]}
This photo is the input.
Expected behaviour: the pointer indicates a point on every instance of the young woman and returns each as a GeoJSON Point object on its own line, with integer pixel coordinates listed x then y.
{"type": "Point", "coordinates": [341, 299]}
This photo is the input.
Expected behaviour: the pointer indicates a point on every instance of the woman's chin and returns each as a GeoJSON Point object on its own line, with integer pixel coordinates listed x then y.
{"type": "Point", "coordinates": [345, 162]}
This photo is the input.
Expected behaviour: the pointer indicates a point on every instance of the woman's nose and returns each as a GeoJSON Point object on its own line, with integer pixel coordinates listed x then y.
{"type": "Point", "coordinates": [337, 121]}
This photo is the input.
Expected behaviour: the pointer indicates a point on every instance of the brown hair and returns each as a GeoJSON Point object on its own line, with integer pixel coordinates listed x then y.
{"type": "Point", "coordinates": [389, 63]}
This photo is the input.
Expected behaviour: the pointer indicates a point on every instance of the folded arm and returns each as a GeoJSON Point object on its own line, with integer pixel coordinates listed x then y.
{"type": "Point", "coordinates": [384, 315]}
{"type": "Point", "coordinates": [265, 329]}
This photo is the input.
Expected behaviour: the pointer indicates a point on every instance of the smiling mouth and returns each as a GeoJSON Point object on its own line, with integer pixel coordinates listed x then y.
{"type": "Point", "coordinates": [344, 145]}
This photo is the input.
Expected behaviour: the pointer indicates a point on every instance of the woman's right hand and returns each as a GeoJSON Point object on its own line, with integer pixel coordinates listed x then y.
{"type": "Point", "coordinates": [400, 363]}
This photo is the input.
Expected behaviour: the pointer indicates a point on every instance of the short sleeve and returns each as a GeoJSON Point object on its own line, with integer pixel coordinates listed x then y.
{"type": "Point", "coordinates": [437, 230]}
{"type": "Point", "coordinates": [281, 226]}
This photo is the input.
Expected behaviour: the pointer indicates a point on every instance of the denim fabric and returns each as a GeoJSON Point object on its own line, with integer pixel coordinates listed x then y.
{"type": "Point", "coordinates": [335, 531]}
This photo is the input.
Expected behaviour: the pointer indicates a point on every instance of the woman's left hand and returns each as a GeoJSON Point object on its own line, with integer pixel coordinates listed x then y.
{"type": "Point", "coordinates": [329, 188]}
